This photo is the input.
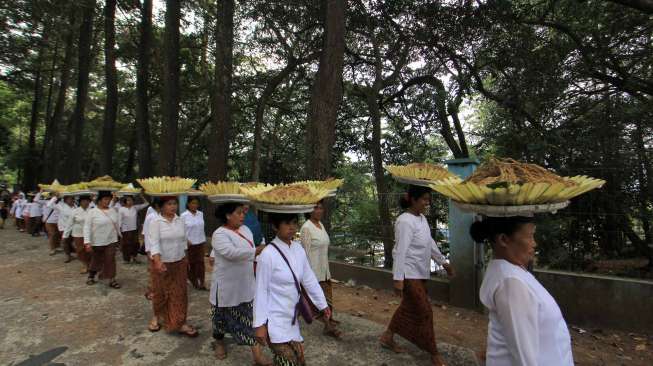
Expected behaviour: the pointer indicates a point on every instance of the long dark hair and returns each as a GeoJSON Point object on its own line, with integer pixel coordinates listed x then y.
{"type": "Point", "coordinates": [412, 194]}
{"type": "Point", "coordinates": [491, 227]}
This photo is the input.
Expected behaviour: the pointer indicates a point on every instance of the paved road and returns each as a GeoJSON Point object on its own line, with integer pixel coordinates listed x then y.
{"type": "Point", "coordinates": [49, 316]}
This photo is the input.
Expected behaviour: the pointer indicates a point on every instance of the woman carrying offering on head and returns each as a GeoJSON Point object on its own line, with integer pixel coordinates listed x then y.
{"type": "Point", "coordinates": [74, 228]}
{"type": "Point", "coordinates": [194, 222]}
{"type": "Point", "coordinates": [101, 235]}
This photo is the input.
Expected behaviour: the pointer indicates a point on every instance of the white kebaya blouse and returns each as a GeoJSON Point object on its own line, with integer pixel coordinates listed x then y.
{"type": "Point", "coordinates": [167, 238]}
{"type": "Point", "coordinates": [129, 216]}
{"type": "Point", "coordinates": [316, 243]}
{"type": "Point", "coordinates": [194, 223]}
{"type": "Point", "coordinates": [526, 325]}
{"type": "Point", "coordinates": [75, 226]}
{"type": "Point", "coordinates": [101, 227]}
{"type": "Point", "coordinates": [233, 271]}
{"type": "Point", "coordinates": [276, 295]}
{"type": "Point", "coordinates": [414, 248]}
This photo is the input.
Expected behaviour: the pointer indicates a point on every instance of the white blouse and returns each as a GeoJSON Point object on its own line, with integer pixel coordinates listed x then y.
{"type": "Point", "coordinates": [129, 216]}
{"type": "Point", "coordinates": [316, 243]}
{"type": "Point", "coordinates": [194, 223]}
{"type": "Point", "coordinates": [51, 215]}
{"type": "Point", "coordinates": [75, 226]}
{"type": "Point", "coordinates": [414, 248]}
{"type": "Point", "coordinates": [233, 271]}
{"type": "Point", "coordinates": [35, 209]}
{"type": "Point", "coordinates": [145, 230]}
{"type": "Point", "coordinates": [101, 227]}
{"type": "Point", "coordinates": [526, 325]}
{"type": "Point", "coordinates": [63, 211]}
{"type": "Point", "coordinates": [276, 295]}
{"type": "Point", "coordinates": [167, 238]}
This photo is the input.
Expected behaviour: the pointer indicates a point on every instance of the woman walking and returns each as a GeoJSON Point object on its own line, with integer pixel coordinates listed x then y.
{"type": "Point", "coordinates": [75, 229]}
{"type": "Point", "coordinates": [315, 240]}
{"type": "Point", "coordinates": [193, 220]}
{"type": "Point", "coordinates": [64, 211]}
{"type": "Point", "coordinates": [233, 285]}
{"type": "Point", "coordinates": [412, 254]}
{"type": "Point", "coordinates": [281, 268]}
{"type": "Point", "coordinates": [101, 234]}
{"type": "Point", "coordinates": [129, 244]}
{"type": "Point", "coordinates": [167, 246]}
{"type": "Point", "coordinates": [526, 325]}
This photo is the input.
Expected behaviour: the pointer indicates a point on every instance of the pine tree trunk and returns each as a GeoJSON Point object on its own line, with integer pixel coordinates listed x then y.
{"type": "Point", "coordinates": [168, 142]}
{"type": "Point", "coordinates": [221, 128]}
{"type": "Point", "coordinates": [53, 164]}
{"type": "Point", "coordinates": [145, 168]}
{"type": "Point", "coordinates": [47, 136]}
{"type": "Point", "coordinates": [111, 77]}
{"type": "Point", "coordinates": [31, 159]}
{"type": "Point", "coordinates": [74, 161]}
{"type": "Point", "coordinates": [326, 95]}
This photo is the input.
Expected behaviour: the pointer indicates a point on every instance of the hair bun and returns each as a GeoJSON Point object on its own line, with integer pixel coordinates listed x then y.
{"type": "Point", "coordinates": [479, 231]}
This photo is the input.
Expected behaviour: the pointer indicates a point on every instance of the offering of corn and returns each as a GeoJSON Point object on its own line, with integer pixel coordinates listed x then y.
{"type": "Point", "coordinates": [509, 182]}
{"type": "Point", "coordinates": [419, 171]}
{"type": "Point", "coordinates": [330, 184]}
{"type": "Point", "coordinates": [219, 188]}
{"type": "Point", "coordinates": [104, 182]}
{"type": "Point", "coordinates": [161, 185]}
{"type": "Point", "coordinates": [54, 187]}
{"type": "Point", "coordinates": [286, 194]}
{"type": "Point", "coordinates": [129, 189]}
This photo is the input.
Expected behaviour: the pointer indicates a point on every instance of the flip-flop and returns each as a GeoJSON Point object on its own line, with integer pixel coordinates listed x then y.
{"type": "Point", "coordinates": [90, 282]}
{"type": "Point", "coordinates": [190, 334]}
{"type": "Point", "coordinates": [114, 284]}
{"type": "Point", "coordinates": [153, 330]}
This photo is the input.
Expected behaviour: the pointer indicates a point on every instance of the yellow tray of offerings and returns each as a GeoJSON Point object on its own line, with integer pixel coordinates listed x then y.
{"type": "Point", "coordinates": [128, 190]}
{"type": "Point", "coordinates": [166, 186]}
{"type": "Point", "coordinates": [285, 198]}
{"type": "Point", "coordinates": [55, 187]}
{"type": "Point", "coordinates": [510, 183]}
{"type": "Point", "coordinates": [330, 184]}
{"type": "Point", "coordinates": [78, 189]}
{"type": "Point", "coordinates": [195, 193]}
{"type": "Point", "coordinates": [222, 192]}
{"type": "Point", "coordinates": [418, 174]}
{"type": "Point", "coordinates": [104, 183]}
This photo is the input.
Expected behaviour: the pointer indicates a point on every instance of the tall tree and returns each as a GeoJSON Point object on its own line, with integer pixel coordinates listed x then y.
{"type": "Point", "coordinates": [83, 69]}
{"type": "Point", "coordinates": [31, 163]}
{"type": "Point", "coordinates": [171, 66]}
{"type": "Point", "coordinates": [222, 119]}
{"type": "Point", "coordinates": [326, 94]}
{"type": "Point", "coordinates": [52, 164]}
{"type": "Point", "coordinates": [111, 77]}
{"type": "Point", "coordinates": [145, 168]}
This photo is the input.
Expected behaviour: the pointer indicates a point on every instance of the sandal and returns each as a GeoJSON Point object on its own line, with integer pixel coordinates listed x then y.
{"type": "Point", "coordinates": [114, 284]}
{"type": "Point", "coordinates": [90, 281]}
{"type": "Point", "coordinates": [333, 332]}
{"type": "Point", "coordinates": [190, 332]}
{"type": "Point", "coordinates": [154, 328]}
{"type": "Point", "coordinates": [220, 351]}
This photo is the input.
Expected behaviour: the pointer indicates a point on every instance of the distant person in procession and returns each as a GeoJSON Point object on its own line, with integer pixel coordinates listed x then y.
{"type": "Point", "coordinates": [63, 208]}
{"type": "Point", "coordinates": [128, 212]}
{"type": "Point", "coordinates": [316, 241]}
{"type": "Point", "coordinates": [101, 235]}
{"type": "Point", "coordinates": [193, 220]}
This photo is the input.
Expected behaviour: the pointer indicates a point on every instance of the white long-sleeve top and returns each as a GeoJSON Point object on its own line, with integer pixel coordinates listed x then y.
{"type": "Point", "coordinates": [75, 225]}
{"type": "Point", "coordinates": [35, 209]}
{"type": "Point", "coordinates": [276, 295]}
{"type": "Point", "coordinates": [101, 227]}
{"type": "Point", "coordinates": [233, 271]}
{"type": "Point", "coordinates": [167, 238]}
{"type": "Point", "coordinates": [63, 211]}
{"type": "Point", "coordinates": [526, 325]}
{"type": "Point", "coordinates": [316, 243]}
{"type": "Point", "coordinates": [146, 226]}
{"type": "Point", "coordinates": [194, 223]}
{"type": "Point", "coordinates": [414, 248]}
{"type": "Point", "coordinates": [129, 217]}
{"type": "Point", "coordinates": [51, 216]}
{"type": "Point", "coordinates": [17, 208]}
